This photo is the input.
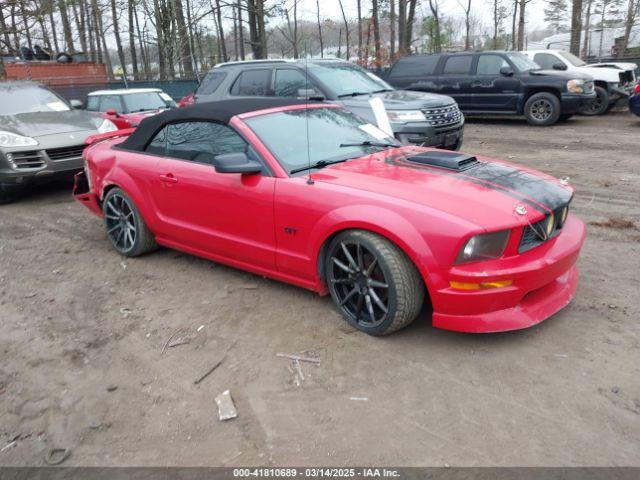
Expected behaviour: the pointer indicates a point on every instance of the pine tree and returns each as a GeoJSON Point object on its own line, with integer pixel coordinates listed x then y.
{"type": "Point", "coordinates": [556, 14]}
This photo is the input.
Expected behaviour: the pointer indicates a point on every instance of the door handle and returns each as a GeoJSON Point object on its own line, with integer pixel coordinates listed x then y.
{"type": "Point", "coordinates": [169, 178]}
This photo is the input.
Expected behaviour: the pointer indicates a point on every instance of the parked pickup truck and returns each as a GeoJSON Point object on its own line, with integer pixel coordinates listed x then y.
{"type": "Point", "coordinates": [496, 83]}
{"type": "Point", "coordinates": [612, 81]}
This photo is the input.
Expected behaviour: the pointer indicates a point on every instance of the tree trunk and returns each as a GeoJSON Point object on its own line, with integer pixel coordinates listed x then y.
{"type": "Point", "coordinates": [467, 38]}
{"type": "Point", "coordinates": [116, 34]}
{"type": "Point", "coordinates": [433, 6]}
{"type": "Point", "coordinates": [236, 52]}
{"type": "Point", "coordinates": [183, 38]}
{"type": "Point", "coordinates": [408, 36]}
{"type": "Point", "coordinates": [402, 26]}
{"type": "Point", "coordinates": [132, 41]}
{"type": "Point", "coordinates": [392, 31]}
{"type": "Point", "coordinates": [513, 25]}
{"type": "Point", "coordinates": [223, 44]}
{"type": "Point", "coordinates": [3, 72]}
{"type": "Point", "coordinates": [143, 53]}
{"type": "Point", "coordinates": [521, 25]}
{"type": "Point", "coordinates": [346, 28]}
{"type": "Point", "coordinates": [359, 31]}
{"type": "Point", "coordinates": [495, 24]}
{"type": "Point", "coordinates": [5, 32]}
{"type": "Point", "coordinates": [632, 13]}
{"type": "Point", "coordinates": [79, 18]}
{"type": "Point", "coordinates": [160, 40]}
{"type": "Point", "coordinates": [376, 33]}
{"type": "Point", "coordinates": [66, 26]}
{"type": "Point", "coordinates": [586, 27]}
{"type": "Point", "coordinates": [576, 27]}
{"type": "Point", "coordinates": [319, 29]}
{"type": "Point", "coordinates": [241, 32]}
{"type": "Point", "coordinates": [25, 23]}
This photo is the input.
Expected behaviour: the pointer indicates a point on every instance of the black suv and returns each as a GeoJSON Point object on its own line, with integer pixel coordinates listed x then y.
{"type": "Point", "coordinates": [496, 83]}
{"type": "Point", "coordinates": [416, 118]}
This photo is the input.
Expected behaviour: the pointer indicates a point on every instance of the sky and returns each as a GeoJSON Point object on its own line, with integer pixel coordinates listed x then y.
{"type": "Point", "coordinates": [481, 8]}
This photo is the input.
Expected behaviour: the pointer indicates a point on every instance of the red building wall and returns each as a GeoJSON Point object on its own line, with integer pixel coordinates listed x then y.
{"type": "Point", "coordinates": [57, 74]}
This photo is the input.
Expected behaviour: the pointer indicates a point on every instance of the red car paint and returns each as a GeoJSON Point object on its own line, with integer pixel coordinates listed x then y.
{"type": "Point", "coordinates": [429, 215]}
{"type": "Point", "coordinates": [187, 100]}
{"type": "Point", "coordinates": [127, 120]}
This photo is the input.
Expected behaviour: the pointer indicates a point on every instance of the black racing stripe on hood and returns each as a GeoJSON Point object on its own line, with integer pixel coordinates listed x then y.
{"type": "Point", "coordinates": [530, 186]}
{"type": "Point", "coordinates": [533, 191]}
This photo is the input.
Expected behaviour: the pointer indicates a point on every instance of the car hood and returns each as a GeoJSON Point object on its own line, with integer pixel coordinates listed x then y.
{"type": "Point", "coordinates": [38, 124]}
{"type": "Point", "coordinates": [400, 100]}
{"type": "Point", "coordinates": [618, 65]}
{"type": "Point", "coordinates": [601, 73]}
{"type": "Point", "coordinates": [486, 195]}
{"type": "Point", "coordinates": [568, 75]}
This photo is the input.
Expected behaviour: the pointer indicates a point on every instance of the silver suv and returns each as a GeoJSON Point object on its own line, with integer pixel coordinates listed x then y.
{"type": "Point", "coordinates": [416, 118]}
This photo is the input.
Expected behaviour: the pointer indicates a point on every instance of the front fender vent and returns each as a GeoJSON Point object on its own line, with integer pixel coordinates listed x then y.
{"type": "Point", "coordinates": [449, 160]}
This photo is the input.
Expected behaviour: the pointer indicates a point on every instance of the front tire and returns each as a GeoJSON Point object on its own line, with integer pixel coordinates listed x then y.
{"type": "Point", "coordinates": [376, 287]}
{"type": "Point", "coordinates": [8, 195]}
{"type": "Point", "coordinates": [125, 227]}
{"type": "Point", "coordinates": [542, 109]}
{"type": "Point", "coordinates": [599, 106]}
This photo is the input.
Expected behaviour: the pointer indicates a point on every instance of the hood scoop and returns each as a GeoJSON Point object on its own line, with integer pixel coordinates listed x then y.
{"type": "Point", "coordinates": [450, 160]}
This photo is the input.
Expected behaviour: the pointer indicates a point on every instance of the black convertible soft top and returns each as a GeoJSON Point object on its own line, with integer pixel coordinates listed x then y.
{"type": "Point", "coordinates": [220, 112]}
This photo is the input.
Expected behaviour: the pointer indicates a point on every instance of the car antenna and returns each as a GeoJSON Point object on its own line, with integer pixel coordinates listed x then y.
{"type": "Point", "coordinates": [306, 116]}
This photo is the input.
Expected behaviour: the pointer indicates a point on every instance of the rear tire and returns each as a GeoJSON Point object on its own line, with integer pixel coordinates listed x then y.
{"type": "Point", "coordinates": [542, 109]}
{"type": "Point", "coordinates": [376, 287]}
{"type": "Point", "coordinates": [599, 106]}
{"type": "Point", "coordinates": [125, 227]}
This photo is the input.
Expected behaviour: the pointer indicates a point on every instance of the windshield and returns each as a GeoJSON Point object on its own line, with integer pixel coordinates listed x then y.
{"type": "Point", "coordinates": [30, 99]}
{"type": "Point", "coordinates": [522, 62]}
{"type": "Point", "coordinates": [345, 80]}
{"type": "Point", "coordinates": [139, 102]}
{"type": "Point", "coordinates": [285, 135]}
{"type": "Point", "coordinates": [572, 59]}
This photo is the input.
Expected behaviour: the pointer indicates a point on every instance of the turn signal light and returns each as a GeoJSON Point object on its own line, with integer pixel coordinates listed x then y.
{"type": "Point", "coordinates": [480, 286]}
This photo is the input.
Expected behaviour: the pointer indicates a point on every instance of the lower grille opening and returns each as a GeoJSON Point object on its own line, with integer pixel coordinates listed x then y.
{"type": "Point", "coordinates": [25, 160]}
{"type": "Point", "coordinates": [65, 153]}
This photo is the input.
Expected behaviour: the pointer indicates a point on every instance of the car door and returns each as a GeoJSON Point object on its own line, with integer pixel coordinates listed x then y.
{"type": "Point", "coordinates": [225, 214]}
{"type": "Point", "coordinates": [494, 90]}
{"type": "Point", "coordinates": [252, 83]}
{"type": "Point", "coordinates": [415, 72]}
{"type": "Point", "coordinates": [113, 103]}
{"type": "Point", "coordinates": [455, 79]}
{"type": "Point", "coordinates": [287, 82]}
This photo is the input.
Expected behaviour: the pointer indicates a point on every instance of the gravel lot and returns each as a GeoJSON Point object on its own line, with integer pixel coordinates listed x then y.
{"type": "Point", "coordinates": [82, 334]}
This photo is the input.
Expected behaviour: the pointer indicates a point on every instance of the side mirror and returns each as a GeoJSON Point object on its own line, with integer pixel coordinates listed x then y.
{"type": "Point", "coordinates": [559, 66]}
{"type": "Point", "coordinates": [310, 94]}
{"type": "Point", "coordinates": [236, 163]}
{"type": "Point", "coordinates": [112, 112]}
{"type": "Point", "coordinates": [506, 71]}
{"type": "Point", "coordinates": [77, 104]}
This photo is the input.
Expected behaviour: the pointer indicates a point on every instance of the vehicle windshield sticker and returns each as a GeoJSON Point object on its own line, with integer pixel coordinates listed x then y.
{"type": "Point", "coordinates": [373, 131]}
{"type": "Point", "coordinates": [57, 106]}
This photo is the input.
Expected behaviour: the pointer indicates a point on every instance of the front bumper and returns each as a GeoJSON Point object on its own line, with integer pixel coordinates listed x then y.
{"type": "Point", "coordinates": [83, 194]}
{"type": "Point", "coordinates": [575, 102]}
{"type": "Point", "coordinates": [544, 281]}
{"type": "Point", "coordinates": [428, 136]}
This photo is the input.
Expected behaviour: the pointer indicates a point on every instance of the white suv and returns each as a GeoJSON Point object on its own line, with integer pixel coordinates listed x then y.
{"type": "Point", "coordinates": [612, 80]}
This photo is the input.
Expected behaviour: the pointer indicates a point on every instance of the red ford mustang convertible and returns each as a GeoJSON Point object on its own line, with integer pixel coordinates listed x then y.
{"type": "Point", "coordinates": [310, 194]}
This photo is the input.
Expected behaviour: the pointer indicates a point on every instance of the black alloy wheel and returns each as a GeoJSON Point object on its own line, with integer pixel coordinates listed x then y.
{"type": "Point", "coordinates": [375, 286]}
{"type": "Point", "coordinates": [125, 228]}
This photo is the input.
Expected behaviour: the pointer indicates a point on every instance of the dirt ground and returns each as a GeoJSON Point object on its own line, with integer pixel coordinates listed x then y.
{"type": "Point", "coordinates": [82, 334]}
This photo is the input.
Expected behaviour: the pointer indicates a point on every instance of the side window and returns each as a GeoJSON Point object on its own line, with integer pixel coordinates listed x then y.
{"type": "Point", "coordinates": [211, 82]}
{"type": "Point", "coordinates": [289, 81]}
{"type": "Point", "coordinates": [415, 66]}
{"type": "Point", "coordinates": [158, 144]}
{"type": "Point", "coordinates": [490, 64]}
{"type": "Point", "coordinates": [93, 103]}
{"type": "Point", "coordinates": [545, 60]}
{"type": "Point", "coordinates": [110, 101]}
{"type": "Point", "coordinates": [202, 141]}
{"type": "Point", "coordinates": [252, 83]}
{"type": "Point", "coordinates": [457, 65]}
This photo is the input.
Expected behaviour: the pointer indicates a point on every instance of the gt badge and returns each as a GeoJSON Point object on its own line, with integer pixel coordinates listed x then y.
{"type": "Point", "coordinates": [521, 210]}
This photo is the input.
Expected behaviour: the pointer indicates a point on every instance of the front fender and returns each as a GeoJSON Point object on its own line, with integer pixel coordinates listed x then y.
{"type": "Point", "coordinates": [384, 222]}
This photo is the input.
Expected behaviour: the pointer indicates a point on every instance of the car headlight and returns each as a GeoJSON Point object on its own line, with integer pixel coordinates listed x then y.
{"type": "Point", "coordinates": [8, 139]}
{"type": "Point", "coordinates": [484, 246]}
{"type": "Point", "coordinates": [405, 116]}
{"type": "Point", "coordinates": [107, 126]}
{"type": "Point", "coordinates": [575, 86]}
